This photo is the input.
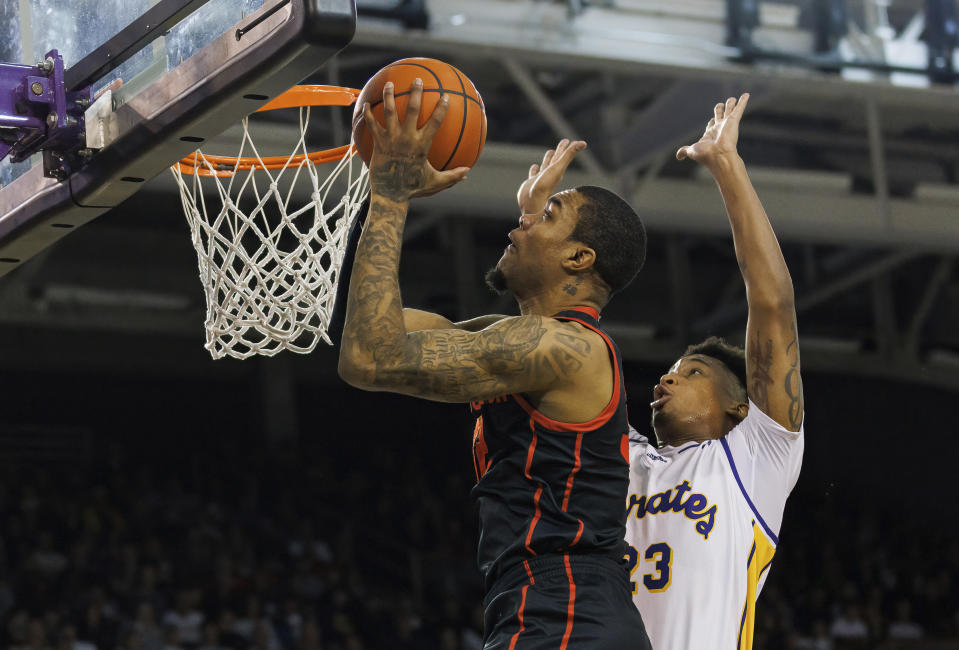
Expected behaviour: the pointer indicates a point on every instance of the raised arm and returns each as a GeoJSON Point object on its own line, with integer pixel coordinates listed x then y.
{"type": "Point", "coordinates": [520, 354]}
{"type": "Point", "coordinates": [545, 177]}
{"type": "Point", "coordinates": [772, 343]}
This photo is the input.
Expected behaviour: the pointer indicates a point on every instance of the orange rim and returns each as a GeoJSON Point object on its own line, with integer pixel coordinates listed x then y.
{"type": "Point", "coordinates": [295, 97]}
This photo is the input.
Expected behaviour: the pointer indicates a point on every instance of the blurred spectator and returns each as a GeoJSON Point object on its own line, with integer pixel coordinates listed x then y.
{"type": "Point", "coordinates": [45, 560]}
{"type": "Point", "coordinates": [146, 632]}
{"type": "Point", "coordinates": [228, 635]}
{"type": "Point", "coordinates": [36, 636]}
{"type": "Point", "coordinates": [849, 624]}
{"type": "Point", "coordinates": [311, 638]}
{"type": "Point", "coordinates": [819, 640]}
{"type": "Point", "coordinates": [903, 627]}
{"type": "Point", "coordinates": [95, 628]}
{"type": "Point", "coordinates": [187, 620]}
{"type": "Point", "coordinates": [242, 550]}
{"type": "Point", "coordinates": [263, 637]}
{"type": "Point", "coordinates": [171, 638]}
{"type": "Point", "coordinates": [211, 638]}
{"type": "Point", "coordinates": [68, 640]}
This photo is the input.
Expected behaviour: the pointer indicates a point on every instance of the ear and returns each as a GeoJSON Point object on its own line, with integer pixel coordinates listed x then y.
{"type": "Point", "coordinates": [580, 258]}
{"type": "Point", "coordinates": [738, 411]}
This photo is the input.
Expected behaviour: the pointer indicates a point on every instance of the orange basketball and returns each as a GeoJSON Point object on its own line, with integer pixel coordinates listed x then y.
{"type": "Point", "coordinates": [460, 139]}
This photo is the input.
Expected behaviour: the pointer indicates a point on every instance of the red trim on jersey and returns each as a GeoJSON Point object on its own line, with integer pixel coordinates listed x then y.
{"type": "Point", "coordinates": [519, 614]}
{"type": "Point", "coordinates": [624, 447]}
{"type": "Point", "coordinates": [480, 450]}
{"type": "Point", "coordinates": [539, 489]}
{"type": "Point", "coordinates": [599, 420]}
{"type": "Point", "coordinates": [532, 524]}
{"type": "Point", "coordinates": [577, 463]}
{"type": "Point", "coordinates": [532, 581]}
{"type": "Point", "coordinates": [572, 602]}
{"type": "Point", "coordinates": [589, 311]}
{"type": "Point", "coordinates": [579, 533]}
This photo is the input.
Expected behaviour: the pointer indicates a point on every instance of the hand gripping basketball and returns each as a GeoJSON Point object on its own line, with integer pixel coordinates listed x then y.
{"type": "Point", "coordinates": [399, 169]}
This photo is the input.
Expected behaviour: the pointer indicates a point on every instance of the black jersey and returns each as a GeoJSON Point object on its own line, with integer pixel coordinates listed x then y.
{"type": "Point", "coordinates": [548, 487]}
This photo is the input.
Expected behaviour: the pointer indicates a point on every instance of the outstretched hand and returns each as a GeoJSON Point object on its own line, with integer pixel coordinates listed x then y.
{"type": "Point", "coordinates": [545, 177]}
{"type": "Point", "coordinates": [721, 135]}
{"type": "Point", "coordinates": [399, 169]}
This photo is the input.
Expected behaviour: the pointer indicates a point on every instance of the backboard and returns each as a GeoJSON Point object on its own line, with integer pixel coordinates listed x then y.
{"type": "Point", "coordinates": [193, 69]}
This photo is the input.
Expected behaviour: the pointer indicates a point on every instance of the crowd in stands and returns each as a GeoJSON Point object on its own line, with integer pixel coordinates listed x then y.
{"type": "Point", "coordinates": [224, 547]}
{"type": "Point", "coordinates": [860, 573]}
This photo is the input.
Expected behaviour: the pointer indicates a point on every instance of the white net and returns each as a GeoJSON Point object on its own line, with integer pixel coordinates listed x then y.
{"type": "Point", "coordinates": [270, 243]}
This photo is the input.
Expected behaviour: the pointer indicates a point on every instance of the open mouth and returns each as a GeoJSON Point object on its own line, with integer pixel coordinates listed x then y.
{"type": "Point", "coordinates": [658, 404]}
{"type": "Point", "coordinates": [660, 396]}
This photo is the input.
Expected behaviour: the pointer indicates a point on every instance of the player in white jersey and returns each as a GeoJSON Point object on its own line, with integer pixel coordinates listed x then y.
{"type": "Point", "coordinates": [705, 503]}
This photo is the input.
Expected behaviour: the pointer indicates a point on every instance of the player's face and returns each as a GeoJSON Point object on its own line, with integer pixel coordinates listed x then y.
{"type": "Point", "coordinates": [537, 247]}
{"type": "Point", "coordinates": [689, 401]}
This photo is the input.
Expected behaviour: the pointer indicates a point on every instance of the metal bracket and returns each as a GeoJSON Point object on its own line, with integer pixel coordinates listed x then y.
{"type": "Point", "coordinates": [103, 126]}
{"type": "Point", "coordinates": [37, 113]}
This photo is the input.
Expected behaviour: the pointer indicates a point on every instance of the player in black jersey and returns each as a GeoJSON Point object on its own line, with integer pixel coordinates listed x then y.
{"type": "Point", "coordinates": [550, 445]}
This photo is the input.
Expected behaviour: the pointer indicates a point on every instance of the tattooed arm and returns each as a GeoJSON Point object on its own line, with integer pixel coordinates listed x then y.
{"type": "Point", "coordinates": [520, 354]}
{"type": "Point", "coordinates": [772, 344]}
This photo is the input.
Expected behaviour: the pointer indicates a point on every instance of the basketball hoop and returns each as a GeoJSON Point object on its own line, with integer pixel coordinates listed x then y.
{"type": "Point", "coordinates": [269, 258]}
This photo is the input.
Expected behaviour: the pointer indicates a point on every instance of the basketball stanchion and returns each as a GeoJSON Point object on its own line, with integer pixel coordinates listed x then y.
{"type": "Point", "coordinates": [270, 234]}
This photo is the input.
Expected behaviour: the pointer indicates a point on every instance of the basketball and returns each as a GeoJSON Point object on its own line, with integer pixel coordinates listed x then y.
{"type": "Point", "coordinates": [460, 139]}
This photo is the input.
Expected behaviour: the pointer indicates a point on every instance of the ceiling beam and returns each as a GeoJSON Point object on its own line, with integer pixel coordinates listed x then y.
{"type": "Point", "coordinates": [870, 271]}
{"type": "Point", "coordinates": [552, 115]}
{"type": "Point", "coordinates": [937, 281]}
{"type": "Point", "coordinates": [672, 119]}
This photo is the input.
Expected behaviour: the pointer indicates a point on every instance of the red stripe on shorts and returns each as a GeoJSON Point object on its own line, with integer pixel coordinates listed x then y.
{"type": "Point", "coordinates": [522, 605]}
{"type": "Point", "coordinates": [572, 602]}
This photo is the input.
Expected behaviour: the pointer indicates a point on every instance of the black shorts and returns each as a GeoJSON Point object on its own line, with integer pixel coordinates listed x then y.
{"type": "Point", "coordinates": [563, 601]}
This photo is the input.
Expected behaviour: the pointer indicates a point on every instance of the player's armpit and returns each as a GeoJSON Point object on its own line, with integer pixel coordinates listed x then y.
{"type": "Point", "coordinates": [519, 354]}
{"type": "Point", "coordinates": [480, 322]}
{"type": "Point", "coordinates": [417, 320]}
{"type": "Point", "coordinates": [772, 364]}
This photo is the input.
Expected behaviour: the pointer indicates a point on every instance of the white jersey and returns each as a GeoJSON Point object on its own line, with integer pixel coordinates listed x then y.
{"type": "Point", "coordinates": [702, 525]}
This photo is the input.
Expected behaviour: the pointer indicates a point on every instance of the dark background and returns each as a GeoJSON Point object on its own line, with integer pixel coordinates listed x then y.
{"type": "Point", "coordinates": [179, 475]}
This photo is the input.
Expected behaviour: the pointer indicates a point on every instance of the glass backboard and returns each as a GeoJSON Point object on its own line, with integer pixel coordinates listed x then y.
{"type": "Point", "coordinates": [30, 28]}
{"type": "Point", "coordinates": [202, 75]}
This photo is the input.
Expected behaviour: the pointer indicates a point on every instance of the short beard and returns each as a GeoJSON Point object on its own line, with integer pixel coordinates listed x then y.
{"type": "Point", "coordinates": [496, 280]}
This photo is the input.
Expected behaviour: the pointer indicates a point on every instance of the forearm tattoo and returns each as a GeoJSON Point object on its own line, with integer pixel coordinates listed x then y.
{"type": "Point", "coordinates": [793, 382]}
{"type": "Point", "coordinates": [396, 176]}
{"type": "Point", "coordinates": [760, 362]}
{"type": "Point", "coordinates": [374, 324]}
